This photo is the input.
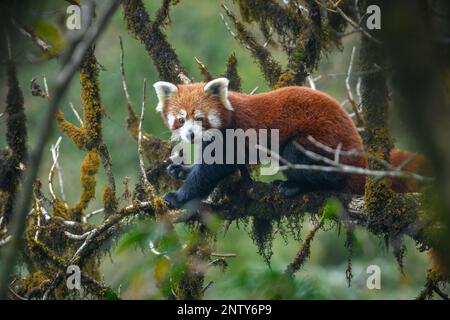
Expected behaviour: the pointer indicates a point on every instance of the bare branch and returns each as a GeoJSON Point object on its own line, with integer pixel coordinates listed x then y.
{"type": "Point", "coordinates": [140, 148]}
{"type": "Point", "coordinates": [5, 240]}
{"type": "Point", "coordinates": [75, 55]}
{"type": "Point", "coordinates": [45, 47]}
{"type": "Point", "coordinates": [254, 90]}
{"type": "Point", "coordinates": [122, 73]}
{"type": "Point", "coordinates": [55, 154]}
{"type": "Point", "coordinates": [312, 83]}
{"type": "Point", "coordinates": [342, 168]}
{"type": "Point", "coordinates": [93, 213]}
{"type": "Point", "coordinates": [359, 117]}
{"type": "Point", "coordinates": [75, 112]}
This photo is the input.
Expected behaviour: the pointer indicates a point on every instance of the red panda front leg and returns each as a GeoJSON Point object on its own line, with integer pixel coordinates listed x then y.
{"type": "Point", "coordinates": [179, 171]}
{"type": "Point", "coordinates": [200, 181]}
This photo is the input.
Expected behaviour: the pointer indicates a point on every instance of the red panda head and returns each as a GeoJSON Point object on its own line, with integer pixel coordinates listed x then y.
{"type": "Point", "coordinates": [190, 109]}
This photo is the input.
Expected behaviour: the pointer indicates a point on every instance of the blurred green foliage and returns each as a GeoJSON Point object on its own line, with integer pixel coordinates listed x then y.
{"type": "Point", "coordinates": [197, 31]}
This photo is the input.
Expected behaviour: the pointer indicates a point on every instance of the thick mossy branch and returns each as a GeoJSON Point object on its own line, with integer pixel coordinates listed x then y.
{"type": "Point", "coordinates": [88, 171]}
{"type": "Point", "coordinates": [432, 286]}
{"type": "Point", "coordinates": [232, 73]}
{"type": "Point", "coordinates": [13, 159]}
{"type": "Point", "coordinates": [309, 44]}
{"type": "Point", "coordinates": [301, 37]}
{"type": "Point", "coordinates": [378, 142]}
{"type": "Point", "coordinates": [263, 235]}
{"type": "Point", "coordinates": [204, 72]}
{"type": "Point", "coordinates": [270, 68]}
{"type": "Point", "coordinates": [236, 198]}
{"type": "Point", "coordinates": [16, 134]}
{"type": "Point", "coordinates": [304, 252]}
{"type": "Point", "coordinates": [149, 33]}
{"type": "Point", "coordinates": [287, 21]}
{"type": "Point", "coordinates": [304, 32]}
{"type": "Point", "coordinates": [162, 17]}
{"type": "Point", "coordinates": [75, 133]}
{"type": "Point", "coordinates": [91, 100]}
{"type": "Point", "coordinates": [424, 105]}
{"type": "Point", "coordinates": [89, 135]}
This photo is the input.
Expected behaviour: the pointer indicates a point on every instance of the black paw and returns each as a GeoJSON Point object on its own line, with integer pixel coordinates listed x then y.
{"type": "Point", "coordinates": [177, 171]}
{"type": "Point", "coordinates": [288, 189]}
{"type": "Point", "coordinates": [172, 200]}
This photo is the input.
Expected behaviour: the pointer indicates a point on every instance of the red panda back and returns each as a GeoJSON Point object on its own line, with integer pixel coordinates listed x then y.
{"type": "Point", "coordinates": [299, 112]}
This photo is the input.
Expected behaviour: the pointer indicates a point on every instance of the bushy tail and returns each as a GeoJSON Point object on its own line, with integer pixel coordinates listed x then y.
{"type": "Point", "coordinates": [411, 162]}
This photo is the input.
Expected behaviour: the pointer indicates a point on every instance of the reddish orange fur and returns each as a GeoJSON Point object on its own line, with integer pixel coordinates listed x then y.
{"type": "Point", "coordinates": [298, 112]}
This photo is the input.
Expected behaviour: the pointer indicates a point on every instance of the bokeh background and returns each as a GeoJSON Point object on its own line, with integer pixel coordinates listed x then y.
{"type": "Point", "coordinates": [198, 31]}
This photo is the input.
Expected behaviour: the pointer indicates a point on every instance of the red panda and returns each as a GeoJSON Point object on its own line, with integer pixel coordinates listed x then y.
{"type": "Point", "coordinates": [298, 112]}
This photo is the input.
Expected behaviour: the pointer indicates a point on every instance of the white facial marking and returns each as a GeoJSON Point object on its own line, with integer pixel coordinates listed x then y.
{"type": "Point", "coordinates": [163, 90]}
{"type": "Point", "coordinates": [219, 87]}
{"type": "Point", "coordinates": [175, 135]}
{"type": "Point", "coordinates": [214, 119]}
{"type": "Point", "coordinates": [199, 114]}
{"type": "Point", "coordinates": [190, 128]}
{"type": "Point", "coordinates": [170, 120]}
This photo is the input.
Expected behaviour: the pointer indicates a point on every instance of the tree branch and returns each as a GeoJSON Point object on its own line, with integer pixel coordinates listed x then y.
{"type": "Point", "coordinates": [63, 78]}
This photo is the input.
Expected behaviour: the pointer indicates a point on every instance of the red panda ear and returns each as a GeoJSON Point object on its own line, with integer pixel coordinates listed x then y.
{"type": "Point", "coordinates": [219, 87]}
{"type": "Point", "coordinates": [164, 91]}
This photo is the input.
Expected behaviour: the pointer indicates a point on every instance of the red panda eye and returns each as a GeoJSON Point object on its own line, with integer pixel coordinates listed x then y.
{"type": "Point", "coordinates": [181, 120]}
{"type": "Point", "coordinates": [199, 119]}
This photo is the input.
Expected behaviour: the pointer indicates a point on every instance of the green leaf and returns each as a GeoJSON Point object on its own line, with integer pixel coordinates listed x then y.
{"type": "Point", "coordinates": [137, 236]}
{"type": "Point", "coordinates": [332, 209]}
{"type": "Point", "coordinates": [110, 295]}
{"type": "Point", "coordinates": [50, 34]}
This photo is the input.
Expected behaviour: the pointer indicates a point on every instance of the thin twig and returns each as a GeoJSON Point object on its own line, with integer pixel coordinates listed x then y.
{"type": "Point", "coordinates": [332, 166]}
{"type": "Point", "coordinates": [140, 148]}
{"type": "Point", "coordinates": [45, 47]}
{"type": "Point", "coordinates": [47, 92]}
{"type": "Point", "coordinates": [207, 287]}
{"type": "Point", "coordinates": [77, 236]}
{"type": "Point", "coordinates": [359, 118]}
{"type": "Point", "coordinates": [54, 150]}
{"type": "Point", "coordinates": [122, 73]}
{"type": "Point", "coordinates": [5, 241]}
{"type": "Point", "coordinates": [75, 112]}
{"type": "Point", "coordinates": [91, 214]}
{"type": "Point", "coordinates": [351, 153]}
{"type": "Point", "coordinates": [311, 82]}
{"type": "Point", "coordinates": [223, 255]}
{"type": "Point", "coordinates": [254, 90]}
